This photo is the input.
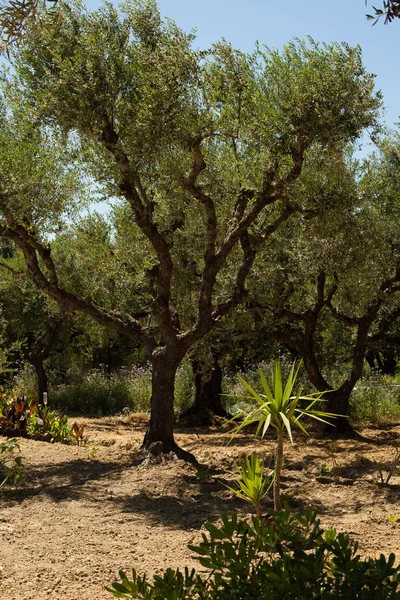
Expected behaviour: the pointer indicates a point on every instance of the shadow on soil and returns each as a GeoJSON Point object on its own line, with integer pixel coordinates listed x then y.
{"type": "Point", "coordinates": [182, 498]}
{"type": "Point", "coordinates": [191, 501]}
{"type": "Point", "coordinates": [66, 480]}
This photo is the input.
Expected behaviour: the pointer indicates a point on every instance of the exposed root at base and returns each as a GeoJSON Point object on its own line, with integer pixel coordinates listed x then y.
{"type": "Point", "coordinates": [154, 454]}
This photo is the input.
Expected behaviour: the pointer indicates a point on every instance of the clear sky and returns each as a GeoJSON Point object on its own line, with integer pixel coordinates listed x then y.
{"type": "Point", "coordinates": [273, 23]}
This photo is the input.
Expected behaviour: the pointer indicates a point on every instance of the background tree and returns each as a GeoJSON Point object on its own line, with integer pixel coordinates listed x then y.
{"type": "Point", "coordinates": [338, 280]}
{"type": "Point", "coordinates": [17, 16]}
{"type": "Point", "coordinates": [210, 143]}
{"type": "Point", "coordinates": [391, 11]}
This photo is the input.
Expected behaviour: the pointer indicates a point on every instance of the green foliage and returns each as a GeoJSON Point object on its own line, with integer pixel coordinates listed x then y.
{"type": "Point", "coordinates": [184, 387]}
{"type": "Point", "coordinates": [49, 426]}
{"type": "Point", "coordinates": [10, 462]}
{"type": "Point", "coordinates": [29, 419]}
{"type": "Point", "coordinates": [97, 392]}
{"type": "Point", "coordinates": [288, 556]}
{"type": "Point", "coordinates": [391, 10]}
{"type": "Point", "coordinates": [17, 16]}
{"type": "Point", "coordinates": [376, 399]}
{"type": "Point", "coordinates": [393, 519]}
{"type": "Point", "coordinates": [24, 382]}
{"type": "Point", "coordinates": [280, 408]}
{"type": "Point", "coordinates": [254, 481]}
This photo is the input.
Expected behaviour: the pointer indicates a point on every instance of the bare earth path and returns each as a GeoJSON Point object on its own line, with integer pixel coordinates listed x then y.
{"type": "Point", "coordinates": [83, 513]}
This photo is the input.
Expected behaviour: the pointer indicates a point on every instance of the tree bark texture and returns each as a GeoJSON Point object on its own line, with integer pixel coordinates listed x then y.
{"type": "Point", "coordinates": [207, 401]}
{"type": "Point", "coordinates": [161, 426]}
{"type": "Point", "coordinates": [37, 364]}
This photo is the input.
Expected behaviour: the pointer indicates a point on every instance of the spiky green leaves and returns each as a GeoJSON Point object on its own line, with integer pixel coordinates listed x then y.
{"type": "Point", "coordinates": [279, 406]}
{"type": "Point", "coordinates": [254, 481]}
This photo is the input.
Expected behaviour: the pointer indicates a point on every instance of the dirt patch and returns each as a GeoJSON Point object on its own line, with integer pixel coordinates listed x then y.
{"type": "Point", "coordinates": [83, 513]}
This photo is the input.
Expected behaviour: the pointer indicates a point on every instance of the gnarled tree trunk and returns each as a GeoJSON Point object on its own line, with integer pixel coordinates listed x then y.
{"type": "Point", "coordinates": [208, 390]}
{"type": "Point", "coordinates": [161, 427]}
{"type": "Point", "coordinates": [337, 402]}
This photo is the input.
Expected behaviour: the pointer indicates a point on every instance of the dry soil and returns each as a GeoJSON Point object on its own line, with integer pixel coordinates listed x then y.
{"type": "Point", "coordinates": [83, 513]}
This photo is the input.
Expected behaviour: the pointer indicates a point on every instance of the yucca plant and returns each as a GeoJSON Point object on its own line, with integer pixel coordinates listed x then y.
{"type": "Point", "coordinates": [278, 407]}
{"type": "Point", "coordinates": [254, 482]}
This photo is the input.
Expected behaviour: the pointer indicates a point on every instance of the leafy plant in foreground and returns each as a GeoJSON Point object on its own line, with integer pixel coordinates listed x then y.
{"type": "Point", "coordinates": [10, 463]}
{"type": "Point", "coordinates": [279, 407]}
{"type": "Point", "coordinates": [14, 414]}
{"type": "Point", "coordinates": [287, 556]}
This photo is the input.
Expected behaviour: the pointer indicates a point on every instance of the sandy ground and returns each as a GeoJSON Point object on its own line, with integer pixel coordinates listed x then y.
{"type": "Point", "coordinates": [83, 513]}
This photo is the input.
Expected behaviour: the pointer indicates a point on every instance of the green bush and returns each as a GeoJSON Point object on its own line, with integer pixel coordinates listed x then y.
{"type": "Point", "coordinates": [286, 556]}
{"type": "Point", "coordinates": [184, 387]}
{"type": "Point", "coordinates": [98, 392]}
{"type": "Point", "coordinates": [11, 467]}
{"type": "Point", "coordinates": [49, 426]}
{"type": "Point", "coordinates": [29, 419]}
{"type": "Point", "coordinates": [25, 382]}
{"type": "Point", "coordinates": [376, 399]}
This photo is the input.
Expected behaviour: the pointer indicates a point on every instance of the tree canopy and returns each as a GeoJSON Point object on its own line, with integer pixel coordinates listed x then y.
{"type": "Point", "coordinates": [207, 155]}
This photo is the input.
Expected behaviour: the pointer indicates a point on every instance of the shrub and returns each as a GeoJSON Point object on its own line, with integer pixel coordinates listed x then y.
{"type": "Point", "coordinates": [376, 399]}
{"type": "Point", "coordinates": [49, 426]}
{"type": "Point", "coordinates": [11, 467]}
{"type": "Point", "coordinates": [184, 387]}
{"type": "Point", "coordinates": [279, 408]}
{"type": "Point", "coordinates": [28, 419]}
{"type": "Point", "coordinates": [253, 483]}
{"type": "Point", "coordinates": [288, 556]}
{"type": "Point", "coordinates": [98, 392]}
{"type": "Point", "coordinates": [25, 382]}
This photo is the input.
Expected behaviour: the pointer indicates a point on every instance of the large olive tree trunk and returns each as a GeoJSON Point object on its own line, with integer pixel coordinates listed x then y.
{"type": "Point", "coordinates": [160, 433]}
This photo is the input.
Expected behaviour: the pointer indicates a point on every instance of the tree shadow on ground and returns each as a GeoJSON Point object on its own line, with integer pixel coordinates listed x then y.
{"type": "Point", "coordinates": [189, 504]}
{"type": "Point", "coordinates": [180, 512]}
{"type": "Point", "coordinates": [66, 480]}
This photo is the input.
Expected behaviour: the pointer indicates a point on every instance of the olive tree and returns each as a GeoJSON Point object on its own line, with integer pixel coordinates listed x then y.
{"type": "Point", "coordinates": [202, 151]}
{"type": "Point", "coordinates": [334, 283]}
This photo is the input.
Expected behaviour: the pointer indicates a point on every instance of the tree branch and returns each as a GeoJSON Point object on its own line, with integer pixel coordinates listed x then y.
{"type": "Point", "coordinates": [142, 207]}
{"type": "Point", "coordinates": [12, 271]}
{"type": "Point", "coordinates": [123, 324]}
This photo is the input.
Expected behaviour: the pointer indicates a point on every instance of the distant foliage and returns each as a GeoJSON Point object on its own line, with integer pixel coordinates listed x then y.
{"type": "Point", "coordinates": [22, 418]}
{"type": "Point", "coordinates": [99, 392]}
{"type": "Point", "coordinates": [376, 399]}
{"type": "Point", "coordinates": [184, 387]}
{"type": "Point", "coordinates": [102, 393]}
{"type": "Point", "coordinates": [287, 556]}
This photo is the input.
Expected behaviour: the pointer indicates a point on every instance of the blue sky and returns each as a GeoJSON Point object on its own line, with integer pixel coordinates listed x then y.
{"type": "Point", "coordinates": [273, 23]}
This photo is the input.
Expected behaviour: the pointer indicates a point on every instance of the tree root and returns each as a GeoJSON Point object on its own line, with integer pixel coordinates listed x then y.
{"type": "Point", "coordinates": [156, 453]}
